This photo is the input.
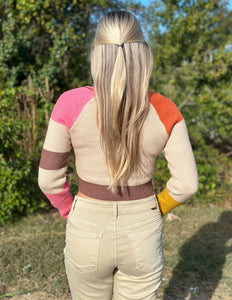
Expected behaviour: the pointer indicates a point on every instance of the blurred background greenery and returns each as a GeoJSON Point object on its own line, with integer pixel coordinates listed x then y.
{"type": "Point", "coordinates": [44, 50]}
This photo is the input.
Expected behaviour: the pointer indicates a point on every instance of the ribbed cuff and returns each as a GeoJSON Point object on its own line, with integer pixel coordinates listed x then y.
{"type": "Point", "coordinates": [62, 201]}
{"type": "Point", "coordinates": [166, 202]}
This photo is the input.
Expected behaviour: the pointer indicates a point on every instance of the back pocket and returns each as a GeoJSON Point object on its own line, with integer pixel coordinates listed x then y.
{"type": "Point", "coordinates": [82, 249]}
{"type": "Point", "coordinates": [148, 249]}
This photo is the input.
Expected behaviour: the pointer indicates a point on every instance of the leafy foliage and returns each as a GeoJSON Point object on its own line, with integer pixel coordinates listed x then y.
{"type": "Point", "coordinates": [18, 158]}
{"type": "Point", "coordinates": [48, 39]}
{"type": "Point", "coordinates": [191, 64]}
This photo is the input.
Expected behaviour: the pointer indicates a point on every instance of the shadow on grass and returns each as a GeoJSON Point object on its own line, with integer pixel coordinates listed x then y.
{"type": "Point", "coordinates": [201, 262]}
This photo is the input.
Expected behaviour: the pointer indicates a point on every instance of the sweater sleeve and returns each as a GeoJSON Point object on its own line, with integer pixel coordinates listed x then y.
{"type": "Point", "coordinates": [53, 166]}
{"type": "Point", "coordinates": [183, 182]}
{"type": "Point", "coordinates": [57, 145]}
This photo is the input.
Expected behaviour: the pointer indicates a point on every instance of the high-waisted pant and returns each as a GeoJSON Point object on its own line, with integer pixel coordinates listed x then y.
{"type": "Point", "coordinates": [114, 249]}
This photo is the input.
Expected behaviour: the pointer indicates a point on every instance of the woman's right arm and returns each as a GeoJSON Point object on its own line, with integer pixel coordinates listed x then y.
{"type": "Point", "coordinates": [183, 182]}
{"type": "Point", "coordinates": [53, 164]}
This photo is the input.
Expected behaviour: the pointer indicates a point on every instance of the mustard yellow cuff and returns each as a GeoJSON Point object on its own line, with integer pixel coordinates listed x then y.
{"type": "Point", "coordinates": [166, 202]}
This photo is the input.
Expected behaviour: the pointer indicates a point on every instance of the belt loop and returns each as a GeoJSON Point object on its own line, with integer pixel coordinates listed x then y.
{"type": "Point", "coordinates": [157, 203]}
{"type": "Point", "coordinates": [74, 204]}
{"type": "Point", "coordinates": [115, 209]}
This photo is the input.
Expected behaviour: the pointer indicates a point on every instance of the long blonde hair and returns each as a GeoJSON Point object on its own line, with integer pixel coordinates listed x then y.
{"type": "Point", "coordinates": [121, 64]}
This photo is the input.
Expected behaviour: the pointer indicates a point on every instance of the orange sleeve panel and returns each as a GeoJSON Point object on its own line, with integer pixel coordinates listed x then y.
{"type": "Point", "coordinates": [166, 110]}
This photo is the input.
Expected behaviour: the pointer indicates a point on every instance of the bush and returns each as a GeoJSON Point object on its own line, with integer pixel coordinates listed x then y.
{"type": "Point", "coordinates": [17, 194]}
{"type": "Point", "coordinates": [19, 157]}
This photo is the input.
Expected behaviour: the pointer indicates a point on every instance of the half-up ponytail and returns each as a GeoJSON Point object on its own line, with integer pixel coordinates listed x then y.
{"type": "Point", "coordinates": [121, 64]}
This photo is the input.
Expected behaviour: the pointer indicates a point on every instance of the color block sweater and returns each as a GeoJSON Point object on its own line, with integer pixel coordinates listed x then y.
{"type": "Point", "coordinates": [73, 124]}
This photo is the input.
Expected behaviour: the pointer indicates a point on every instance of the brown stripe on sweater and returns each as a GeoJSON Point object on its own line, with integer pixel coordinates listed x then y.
{"type": "Point", "coordinates": [102, 192]}
{"type": "Point", "coordinates": [53, 160]}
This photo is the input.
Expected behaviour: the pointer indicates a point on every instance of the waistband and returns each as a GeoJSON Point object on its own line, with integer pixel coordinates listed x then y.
{"type": "Point", "coordinates": [102, 192]}
{"type": "Point", "coordinates": [122, 207]}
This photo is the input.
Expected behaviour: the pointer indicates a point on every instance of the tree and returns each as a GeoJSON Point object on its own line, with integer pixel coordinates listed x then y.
{"type": "Point", "coordinates": [191, 64]}
{"type": "Point", "coordinates": [46, 38]}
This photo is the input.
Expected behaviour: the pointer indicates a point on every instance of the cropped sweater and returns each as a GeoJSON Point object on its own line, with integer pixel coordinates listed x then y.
{"type": "Point", "coordinates": [73, 124]}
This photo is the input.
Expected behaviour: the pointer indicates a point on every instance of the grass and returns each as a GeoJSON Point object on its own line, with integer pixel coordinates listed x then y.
{"type": "Point", "coordinates": [198, 254]}
{"type": "Point", "coordinates": [197, 250]}
{"type": "Point", "coordinates": [31, 256]}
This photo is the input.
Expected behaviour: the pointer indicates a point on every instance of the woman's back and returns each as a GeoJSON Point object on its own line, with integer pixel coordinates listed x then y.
{"type": "Point", "coordinates": [76, 112]}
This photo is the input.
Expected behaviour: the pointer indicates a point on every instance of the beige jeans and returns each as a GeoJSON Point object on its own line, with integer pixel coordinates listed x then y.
{"type": "Point", "coordinates": [114, 249]}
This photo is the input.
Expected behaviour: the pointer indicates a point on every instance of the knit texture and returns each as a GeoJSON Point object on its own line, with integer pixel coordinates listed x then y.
{"type": "Point", "coordinates": [73, 124]}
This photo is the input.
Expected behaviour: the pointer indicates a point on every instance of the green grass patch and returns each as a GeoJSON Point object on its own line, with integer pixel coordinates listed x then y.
{"type": "Point", "coordinates": [31, 256]}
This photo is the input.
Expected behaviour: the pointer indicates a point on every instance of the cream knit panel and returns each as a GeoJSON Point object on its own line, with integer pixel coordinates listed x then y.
{"type": "Point", "coordinates": [90, 159]}
{"type": "Point", "coordinates": [178, 152]}
{"type": "Point", "coordinates": [57, 138]}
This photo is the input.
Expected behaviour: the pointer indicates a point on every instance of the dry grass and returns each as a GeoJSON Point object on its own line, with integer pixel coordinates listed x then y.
{"type": "Point", "coordinates": [197, 249]}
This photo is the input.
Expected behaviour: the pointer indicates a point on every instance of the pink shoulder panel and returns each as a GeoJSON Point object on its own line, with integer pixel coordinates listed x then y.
{"type": "Point", "coordinates": [70, 104]}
